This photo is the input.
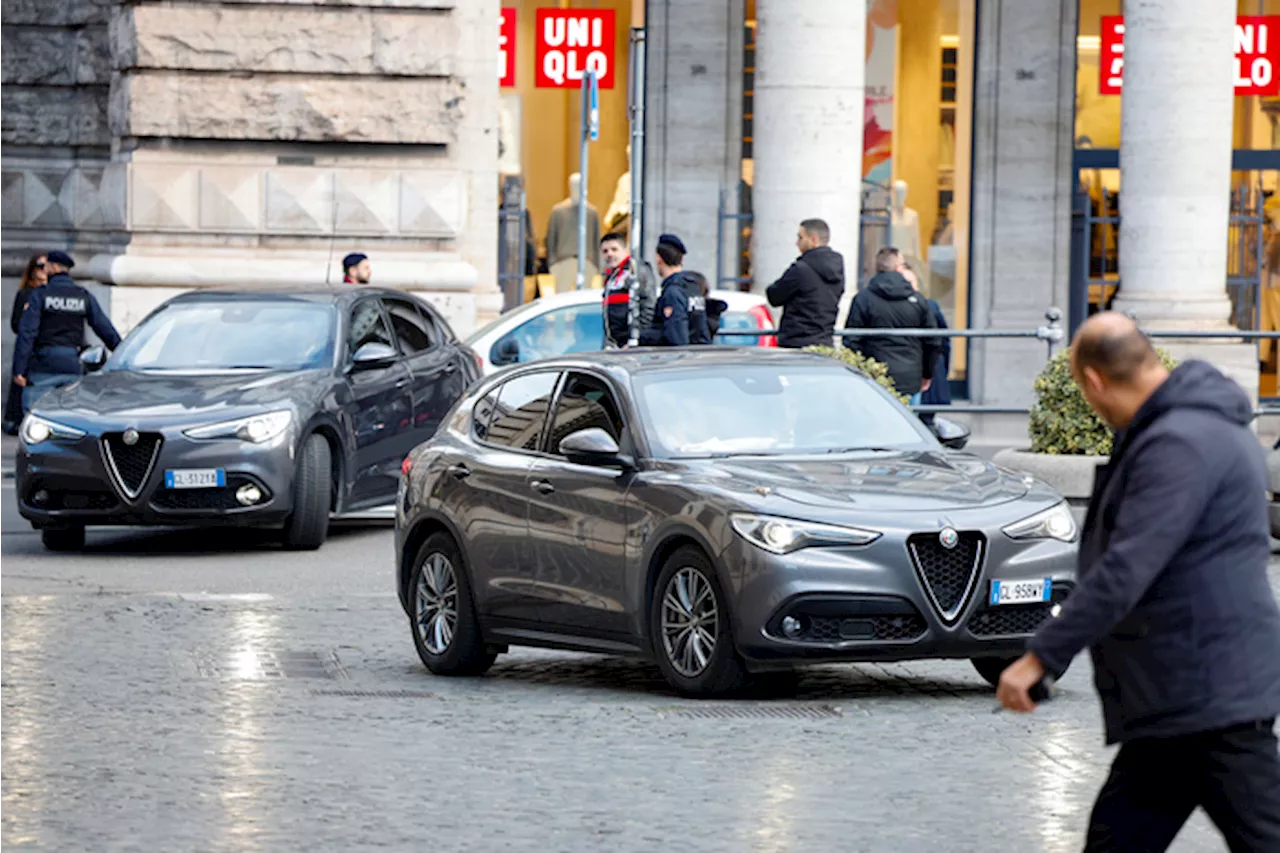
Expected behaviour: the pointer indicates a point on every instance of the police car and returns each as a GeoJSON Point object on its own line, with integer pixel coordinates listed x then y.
{"type": "Point", "coordinates": [573, 322]}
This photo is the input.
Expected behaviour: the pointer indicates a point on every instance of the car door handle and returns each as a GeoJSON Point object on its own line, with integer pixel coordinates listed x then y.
{"type": "Point", "coordinates": [543, 487]}
{"type": "Point", "coordinates": [459, 471]}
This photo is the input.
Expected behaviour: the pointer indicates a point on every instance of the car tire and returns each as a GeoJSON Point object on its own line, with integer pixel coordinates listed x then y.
{"type": "Point", "coordinates": [438, 578]}
{"type": "Point", "coordinates": [991, 668]}
{"type": "Point", "coordinates": [63, 538]}
{"type": "Point", "coordinates": [308, 525]}
{"type": "Point", "coordinates": [680, 646]}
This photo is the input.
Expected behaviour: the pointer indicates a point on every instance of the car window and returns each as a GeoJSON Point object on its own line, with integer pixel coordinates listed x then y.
{"type": "Point", "coordinates": [230, 334]}
{"type": "Point", "coordinates": [481, 414]}
{"type": "Point", "coordinates": [412, 331]}
{"type": "Point", "coordinates": [367, 327]}
{"type": "Point", "coordinates": [521, 411]}
{"type": "Point", "coordinates": [770, 410]}
{"type": "Point", "coordinates": [585, 402]}
{"type": "Point", "coordinates": [731, 320]}
{"type": "Point", "coordinates": [572, 329]}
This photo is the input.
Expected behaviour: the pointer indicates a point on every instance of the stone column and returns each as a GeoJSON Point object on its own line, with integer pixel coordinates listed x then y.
{"type": "Point", "coordinates": [809, 105]}
{"type": "Point", "coordinates": [1175, 168]}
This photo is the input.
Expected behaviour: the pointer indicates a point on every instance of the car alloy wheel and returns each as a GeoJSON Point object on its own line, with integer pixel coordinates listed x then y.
{"type": "Point", "coordinates": [437, 604]}
{"type": "Point", "coordinates": [690, 622]}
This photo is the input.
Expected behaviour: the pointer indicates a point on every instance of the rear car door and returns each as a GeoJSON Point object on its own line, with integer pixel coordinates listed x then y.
{"type": "Point", "coordinates": [379, 410]}
{"type": "Point", "coordinates": [433, 365]}
{"type": "Point", "coordinates": [578, 514]}
{"type": "Point", "coordinates": [487, 492]}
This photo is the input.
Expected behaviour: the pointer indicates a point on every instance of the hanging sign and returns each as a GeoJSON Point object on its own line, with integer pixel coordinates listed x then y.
{"type": "Point", "coordinates": [569, 41]}
{"type": "Point", "coordinates": [507, 49]}
{"type": "Point", "coordinates": [1257, 52]}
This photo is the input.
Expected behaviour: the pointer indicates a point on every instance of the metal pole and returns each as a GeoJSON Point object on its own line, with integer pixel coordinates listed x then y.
{"type": "Point", "coordinates": [638, 88]}
{"type": "Point", "coordinates": [582, 184]}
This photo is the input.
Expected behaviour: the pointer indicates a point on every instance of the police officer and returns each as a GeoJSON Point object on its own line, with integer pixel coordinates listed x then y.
{"type": "Point", "coordinates": [51, 332]}
{"type": "Point", "coordinates": [677, 320]}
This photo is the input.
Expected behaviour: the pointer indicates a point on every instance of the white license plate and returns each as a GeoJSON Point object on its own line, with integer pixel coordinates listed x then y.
{"type": "Point", "coordinates": [195, 478]}
{"type": "Point", "coordinates": [1021, 592]}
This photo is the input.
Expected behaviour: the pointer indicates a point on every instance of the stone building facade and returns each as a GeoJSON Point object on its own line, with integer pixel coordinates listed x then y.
{"type": "Point", "coordinates": [171, 146]}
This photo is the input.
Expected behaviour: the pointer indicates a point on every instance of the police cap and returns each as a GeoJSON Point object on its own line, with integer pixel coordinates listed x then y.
{"type": "Point", "coordinates": [352, 259]}
{"type": "Point", "coordinates": [674, 242]}
{"type": "Point", "coordinates": [60, 258]}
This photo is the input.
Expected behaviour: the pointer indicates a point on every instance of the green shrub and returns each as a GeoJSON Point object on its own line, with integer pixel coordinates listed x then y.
{"type": "Point", "coordinates": [1061, 422]}
{"type": "Point", "coordinates": [869, 366]}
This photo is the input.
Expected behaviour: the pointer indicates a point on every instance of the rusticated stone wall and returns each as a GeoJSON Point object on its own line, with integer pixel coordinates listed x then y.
{"type": "Point", "coordinates": [177, 145]}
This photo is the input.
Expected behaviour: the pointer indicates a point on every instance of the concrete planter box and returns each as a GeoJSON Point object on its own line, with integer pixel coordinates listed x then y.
{"type": "Point", "coordinates": [1072, 476]}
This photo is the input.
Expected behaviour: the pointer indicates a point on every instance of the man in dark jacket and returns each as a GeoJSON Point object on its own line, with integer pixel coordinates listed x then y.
{"type": "Point", "coordinates": [809, 291]}
{"type": "Point", "coordinates": [51, 332]}
{"type": "Point", "coordinates": [675, 322]}
{"type": "Point", "coordinates": [890, 302]}
{"type": "Point", "coordinates": [1172, 601]}
{"type": "Point", "coordinates": [629, 293]}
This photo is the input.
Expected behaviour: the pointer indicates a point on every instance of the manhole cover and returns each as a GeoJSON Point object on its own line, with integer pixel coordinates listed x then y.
{"type": "Point", "coordinates": [749, 712]}
{"type": "Point", "coordinates": [376, 694]}
{"type": "Point", "coordinates": [268, 665]}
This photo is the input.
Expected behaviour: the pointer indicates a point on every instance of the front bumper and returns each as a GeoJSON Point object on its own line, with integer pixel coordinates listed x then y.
{"type": "Point", "coordinates": [873, 603]}
{"type": "Point", "coordinates": [61, 483]}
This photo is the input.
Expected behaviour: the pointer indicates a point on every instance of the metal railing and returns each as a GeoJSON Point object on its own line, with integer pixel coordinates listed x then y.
{"type": "Point", "coordinates": [1052, 334]}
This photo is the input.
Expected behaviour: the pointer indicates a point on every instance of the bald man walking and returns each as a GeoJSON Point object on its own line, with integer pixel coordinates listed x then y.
{"type": "Point", "coordinates": [1172, 601]}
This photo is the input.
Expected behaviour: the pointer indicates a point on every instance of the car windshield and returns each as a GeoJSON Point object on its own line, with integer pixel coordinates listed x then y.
{"type": "Point", "coordinates": [250, 334]}
{"type": "Point", "coordinates": [771, 409]}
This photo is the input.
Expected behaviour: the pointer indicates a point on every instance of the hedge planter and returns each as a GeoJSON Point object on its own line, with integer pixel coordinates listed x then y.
{"type": "Point", "coordinates": [1071, 476]}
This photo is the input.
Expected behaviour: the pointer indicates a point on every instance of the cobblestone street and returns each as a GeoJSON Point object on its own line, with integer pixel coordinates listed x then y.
{"type": "Point", "coordinates": [195, 691]}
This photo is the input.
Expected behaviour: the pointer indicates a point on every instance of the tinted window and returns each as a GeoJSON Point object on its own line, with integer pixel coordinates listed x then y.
{"type": "Point", "coordinates": [481, 414]}
{"type": "Point", "coordinates": [521, 411]}
{"type": "Point", "coordinates": [368, 327]}
{"type": "Point", "coordinates": [770, 409]}
{"type": "Point", "coordinates": [575, 328]}
{"type": "Point", "coordinates": [230, 334]}
{"type": "Point", "coordinates": [411, 328]}
{"type": "Point", "coordinates": [584, 403]}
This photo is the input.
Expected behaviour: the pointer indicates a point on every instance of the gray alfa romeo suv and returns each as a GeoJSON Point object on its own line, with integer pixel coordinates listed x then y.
{"type": "Point", "coordinates": [721, 511]}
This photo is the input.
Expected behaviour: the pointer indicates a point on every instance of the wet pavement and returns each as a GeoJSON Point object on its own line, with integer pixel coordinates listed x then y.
{"type": "Point", "coordinates": [197, 691]}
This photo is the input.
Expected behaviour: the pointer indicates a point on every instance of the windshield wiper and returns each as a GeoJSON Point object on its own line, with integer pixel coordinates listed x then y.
{"type": "Point", "coordinates": [865, 449]}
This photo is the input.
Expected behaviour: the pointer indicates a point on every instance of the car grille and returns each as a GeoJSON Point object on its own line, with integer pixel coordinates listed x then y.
{"type": "Point", "coordinates": [1011, 620]}
{"type": "Point", "coordinates": [218, 498]}
{"type": "Point", "coordinates": [131, 464]}
{"type": "Point", "coordinates": [948, 574]}
{"type": "Point", "coordinates": [59, 499]}
{"type": "Point", "coordinates": [823, 629]}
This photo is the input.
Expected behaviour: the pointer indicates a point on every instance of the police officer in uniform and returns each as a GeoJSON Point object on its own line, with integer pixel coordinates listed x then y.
{"type": "Point", "coordinates": [51, 332]}
{"type": "Point", "coordinates": [679, 318]}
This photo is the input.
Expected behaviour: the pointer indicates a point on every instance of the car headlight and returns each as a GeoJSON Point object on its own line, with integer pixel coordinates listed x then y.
{"type": "Point", "coordinates": [36, 429]}
{"type": "Point", "coordinates": [255, 428]}
{"type": "Point", "coordinates": [785, 535]}
{"type": "Point", "coordinates": [1056, 522]}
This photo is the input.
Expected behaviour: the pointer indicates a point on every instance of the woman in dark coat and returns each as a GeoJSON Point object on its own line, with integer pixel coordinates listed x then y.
{"type": "Point", "coordinates": [32, 277]}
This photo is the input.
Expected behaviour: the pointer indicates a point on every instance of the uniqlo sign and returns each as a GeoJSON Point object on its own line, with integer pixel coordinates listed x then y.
{"type": "Point", "coordinates": [571, 41]}
{"type": "Point", "coordinates": [507, 48]}
{"type": "Point", "coordinates": [1257, 50]}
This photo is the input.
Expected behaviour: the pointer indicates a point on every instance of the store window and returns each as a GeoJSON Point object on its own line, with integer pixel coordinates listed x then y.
{"type": "Point", "coordinates": [1252, 276]}
{"type": "Point", "coordinates": [917, 140]}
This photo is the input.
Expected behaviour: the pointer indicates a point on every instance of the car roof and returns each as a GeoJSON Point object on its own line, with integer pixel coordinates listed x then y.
{"type": "Point", "coordinates": [649, 359]}
{"type": "Point", "coordinates": [340, 293]}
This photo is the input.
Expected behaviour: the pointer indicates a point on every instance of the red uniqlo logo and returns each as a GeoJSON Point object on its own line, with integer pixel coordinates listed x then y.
{"type": "Point", "coordinates": [569, 43]}
{"type": "Point", "coordinates": [507, 49]}
{"type": "Point", "coordinates": [1257, 52]}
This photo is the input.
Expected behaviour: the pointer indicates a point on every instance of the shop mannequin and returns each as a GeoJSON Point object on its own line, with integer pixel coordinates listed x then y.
{"type": "Point", "coordinates": [904, 229]}
{"type": "Point", "coordinates": [562, 238]}
{"type": "Point", "coordinates": [618, 216]}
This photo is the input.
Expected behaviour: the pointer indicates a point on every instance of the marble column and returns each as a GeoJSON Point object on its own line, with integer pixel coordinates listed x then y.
{"type": "Point", "coordinates": [1175, 167]}
{"type": "Point", "coordinates": [809, 104]}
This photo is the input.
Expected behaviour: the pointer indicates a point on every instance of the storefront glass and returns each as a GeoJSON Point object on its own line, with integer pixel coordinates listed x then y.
{"type": "Point", "coordinates": [917, 137]}
{"type": "Point", "coordinates": [1253, 266]}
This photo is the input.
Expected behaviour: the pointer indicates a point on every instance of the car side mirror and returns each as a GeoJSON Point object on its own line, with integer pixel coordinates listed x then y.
{"type": "Point", "coordinates": [507, 351]}
{"type": "Point", "coordinates": [592, 446]}
{"type": "Point", "coordinates": [950, 433]}
{"type": "Point", "coordinates": [372, 356]}
{"type": "Point", "coordinates": [93, 358]}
